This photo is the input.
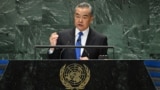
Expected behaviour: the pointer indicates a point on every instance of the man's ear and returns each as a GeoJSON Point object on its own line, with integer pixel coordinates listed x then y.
{"type": "Point", "coordinates": [92, 18]}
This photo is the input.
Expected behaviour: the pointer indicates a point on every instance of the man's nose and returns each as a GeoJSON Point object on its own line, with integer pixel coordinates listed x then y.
{"type": "Point", "coordinates": [80, 20]}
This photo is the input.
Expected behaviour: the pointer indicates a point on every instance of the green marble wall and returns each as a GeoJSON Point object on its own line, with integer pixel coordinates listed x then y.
{"type": "Point", "coordinates": [132, 26]}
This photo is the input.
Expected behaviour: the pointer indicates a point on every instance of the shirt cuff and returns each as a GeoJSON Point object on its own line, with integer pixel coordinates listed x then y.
{"type": "Point", "coordinates": [50, 51]}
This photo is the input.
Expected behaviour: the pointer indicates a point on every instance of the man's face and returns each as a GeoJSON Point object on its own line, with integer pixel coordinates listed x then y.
{"type": "Point", "coordinates": [82, 18]}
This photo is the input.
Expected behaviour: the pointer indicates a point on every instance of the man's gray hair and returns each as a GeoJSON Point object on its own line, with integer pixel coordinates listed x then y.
{"type": "Point", "coordinates": [85, 5]}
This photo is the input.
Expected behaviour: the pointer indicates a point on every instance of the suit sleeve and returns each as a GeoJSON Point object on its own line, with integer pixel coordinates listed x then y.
{"type": "Point", "coordinates": [56, 52]}
{"type": "Point", "coordinates": [54, 55]}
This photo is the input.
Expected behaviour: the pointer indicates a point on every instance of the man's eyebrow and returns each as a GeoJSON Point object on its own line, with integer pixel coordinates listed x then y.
{"type": "Point", "coordinates": [76, 14]}
{"type": "Point", "coordinates": [86, 15]}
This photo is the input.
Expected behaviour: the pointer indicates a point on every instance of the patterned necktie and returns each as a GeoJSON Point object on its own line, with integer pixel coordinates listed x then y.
{"type": "Point", "coordinates": [78, 43]}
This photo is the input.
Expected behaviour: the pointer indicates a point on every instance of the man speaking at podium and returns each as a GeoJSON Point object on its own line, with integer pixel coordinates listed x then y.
{"type": "Point", "coordinates": [80, 35]}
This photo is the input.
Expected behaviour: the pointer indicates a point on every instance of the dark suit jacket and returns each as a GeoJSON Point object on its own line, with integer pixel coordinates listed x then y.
{"type": "Point", "coordinates": [67, 37]}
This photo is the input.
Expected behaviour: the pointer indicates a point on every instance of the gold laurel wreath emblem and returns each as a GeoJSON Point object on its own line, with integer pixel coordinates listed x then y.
{"type": "Point", "coordinates": [80, 74]}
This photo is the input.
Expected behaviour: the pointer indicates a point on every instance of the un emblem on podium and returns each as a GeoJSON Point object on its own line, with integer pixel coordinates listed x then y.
{"type": "Point", "coordinates": [74, 76]}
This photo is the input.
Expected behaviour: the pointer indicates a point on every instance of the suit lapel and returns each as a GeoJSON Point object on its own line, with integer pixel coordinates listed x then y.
{"type": "Point", "coordinates": [89, 38]}
{"type": "Point", "coordinates": [72, 37]}
{"type": "Point", "coordinates": [72, 41]}
{"type": "Point", "coordinates": [88, 42]}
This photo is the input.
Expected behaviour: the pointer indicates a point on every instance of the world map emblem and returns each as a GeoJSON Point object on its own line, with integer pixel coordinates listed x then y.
{"type": "Point", "coordinates": [74, 76]}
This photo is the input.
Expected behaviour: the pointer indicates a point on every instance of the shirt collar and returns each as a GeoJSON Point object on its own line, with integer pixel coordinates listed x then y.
{"type": "Point", "coordinates": [85, 32]}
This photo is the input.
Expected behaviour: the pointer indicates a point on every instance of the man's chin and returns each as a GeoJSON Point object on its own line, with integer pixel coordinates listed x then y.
{"type": "Point", "coordinates": [81, 28]}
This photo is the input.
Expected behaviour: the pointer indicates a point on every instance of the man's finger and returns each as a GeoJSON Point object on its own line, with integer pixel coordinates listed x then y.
{"type": "Point", "coordinates": [84, 58]}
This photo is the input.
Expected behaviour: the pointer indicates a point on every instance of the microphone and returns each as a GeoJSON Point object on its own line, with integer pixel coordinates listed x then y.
{"type": "Point", "coordinates": [86, 52]}
{"type": "Point", "coordinates": [63, 49]}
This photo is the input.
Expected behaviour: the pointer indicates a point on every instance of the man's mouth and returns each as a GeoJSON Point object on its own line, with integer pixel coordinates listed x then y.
{"type": "Point", "coordinates": [80, 25]}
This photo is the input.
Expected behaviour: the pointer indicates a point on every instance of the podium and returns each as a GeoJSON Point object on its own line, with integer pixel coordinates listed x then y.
{"type": "Point", "coordinates": [76, 75]}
